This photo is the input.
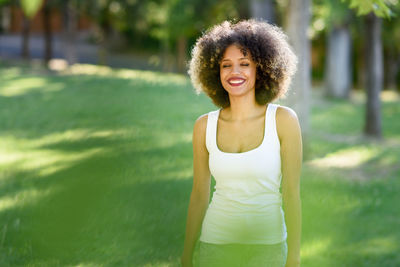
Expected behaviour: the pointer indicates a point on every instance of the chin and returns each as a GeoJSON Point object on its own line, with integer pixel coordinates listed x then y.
{"type": "Point", "coordinates": [237, 91]}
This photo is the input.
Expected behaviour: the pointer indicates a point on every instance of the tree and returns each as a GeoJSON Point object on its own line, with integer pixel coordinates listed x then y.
{"type": "Point", "coordinates": [120, 20]}
{"type": "Point", "coordinates": [5, 15]}
{"type": "Point", "coordinates": [25, 37]}
{"type": "Point", "coordinates": [298, 18]}
{"type": "Point", "coordinates": [374, 75]}
{"type": "Point", "coordinates": [193, 17]}
{"type": "Point", "coordinates": [30, 9]}
{"type": "Point", "coordinates": [263, 9]}
{"type": "Point", "coordinates": [338, 62]}
{"type": "Point", "coordinates": [335, 18]}
{"type": "Point", "coordinates": [48, 36]}
{"type": "Point", "coordinates": [100, 12]}
{"type": "Point", "coordinates": [371, 9]}
{"type": "Point", "coordinates": [69, 12]}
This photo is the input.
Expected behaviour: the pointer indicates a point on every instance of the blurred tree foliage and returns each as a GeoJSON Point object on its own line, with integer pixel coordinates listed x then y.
{"type": "Point", "coordinates": [327, 13]}
{"type": "Point", "coordinates": [381, 8]}
{"type": "Point", "coordinates": [170, 27]}
{"type": "Point", "coordinates": [31, 7]}
{"type": "Point", "coordinates": [330, 13]}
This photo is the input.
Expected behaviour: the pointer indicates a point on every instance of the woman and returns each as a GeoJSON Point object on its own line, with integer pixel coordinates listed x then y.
{"type": "Point", "coordinates": [251, 147]}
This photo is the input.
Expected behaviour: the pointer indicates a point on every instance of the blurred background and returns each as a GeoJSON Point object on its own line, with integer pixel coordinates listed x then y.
{"type": "Point", "coordinates": [96, 117]}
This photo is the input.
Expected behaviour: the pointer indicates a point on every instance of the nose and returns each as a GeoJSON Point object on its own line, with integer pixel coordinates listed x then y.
{"type": "Point", "coordinates": [236, 68]}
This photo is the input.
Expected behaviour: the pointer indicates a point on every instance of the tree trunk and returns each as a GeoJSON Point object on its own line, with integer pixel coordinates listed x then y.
{"type": "Point", "coordinates": [70, 22]}
{"type": "Point", "coordinates": [5, 18]}
{"type": "Point", "coordinates": [263, 9]}
{"type": "Point", "coordinates": [374, 75]}
{"type": "Point", "coordinates": [25, 53]}
{"type": "Point", "coordinates": [298, 97]}
{"type": "Point", "coordinates": [338, 63]}
{"type": "Point", "coordinates": [181, 51]}
{"type": "Point", "coordinates": [48, 51]}
{"type": "Point", "coordinates": [105, 33]}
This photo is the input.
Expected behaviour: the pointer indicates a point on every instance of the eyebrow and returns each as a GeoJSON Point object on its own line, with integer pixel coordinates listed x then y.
{"type": "Point", "coordinates": [226, 59]}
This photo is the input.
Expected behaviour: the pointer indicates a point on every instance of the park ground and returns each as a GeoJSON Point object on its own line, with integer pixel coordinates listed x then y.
{"type": "Point", "coordinates": [96, 170]}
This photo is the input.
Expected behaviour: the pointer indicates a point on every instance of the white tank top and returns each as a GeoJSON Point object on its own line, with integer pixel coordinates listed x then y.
{"type": "Point", "coordinates": [246, 206]}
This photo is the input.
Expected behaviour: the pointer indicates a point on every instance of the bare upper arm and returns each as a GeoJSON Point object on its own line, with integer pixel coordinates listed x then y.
{"type": "Point", "coordinates": [201, 171]}
{"type": "Point", "coordinates": [289, 133]}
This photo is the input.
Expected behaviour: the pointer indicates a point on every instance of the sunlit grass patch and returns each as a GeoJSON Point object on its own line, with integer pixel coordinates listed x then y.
{"type": "Point", "coordinates": [379, 245]}
{"type": "Point", "coordinates": [315, 248]}
{"type": "Point", "coordinates": [24, 197]}
{"type": "Point", "coordinates": [346, 158]}
{"type": "Point", "coordinates": [390, 96]}
{"type": "Point", "coordinates": [25, 85]}
{"type": "Point", "coordinates": [36, 155]}
{"type": "Point", "coordinates": [146, 76]}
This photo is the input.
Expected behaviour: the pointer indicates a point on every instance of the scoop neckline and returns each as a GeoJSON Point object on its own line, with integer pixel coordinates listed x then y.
{"type": "Point", "coordinates": [248, 151]}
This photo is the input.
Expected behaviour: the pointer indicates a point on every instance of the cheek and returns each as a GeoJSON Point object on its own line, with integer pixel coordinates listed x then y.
{"type": "Point", "coordinates": [222, 75]}
{"type": "Point", "coordinates": [252, 74]}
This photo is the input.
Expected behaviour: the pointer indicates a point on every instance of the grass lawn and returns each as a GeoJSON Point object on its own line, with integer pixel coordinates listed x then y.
{"type": "Point", "coordinates": [96, 169]}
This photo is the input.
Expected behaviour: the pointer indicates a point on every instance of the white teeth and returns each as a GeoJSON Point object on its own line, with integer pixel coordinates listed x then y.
{"type": "Point", "coordinates": [236, 81]}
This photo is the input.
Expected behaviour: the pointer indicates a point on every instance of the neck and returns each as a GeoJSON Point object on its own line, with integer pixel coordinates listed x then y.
{"type": "Point", "coordinates": [243, 107]}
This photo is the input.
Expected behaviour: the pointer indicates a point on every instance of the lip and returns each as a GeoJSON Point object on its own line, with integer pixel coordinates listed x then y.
{"type": "Point", "coordinates": [234, 81]}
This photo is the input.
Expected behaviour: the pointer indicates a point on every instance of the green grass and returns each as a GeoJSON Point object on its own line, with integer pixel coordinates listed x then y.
{"type": "Point", "coordinates": [96, 169]}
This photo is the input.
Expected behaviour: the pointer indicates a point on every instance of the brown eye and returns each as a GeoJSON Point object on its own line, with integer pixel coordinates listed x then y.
{"type": "Point", "coordinates": [226, 66]}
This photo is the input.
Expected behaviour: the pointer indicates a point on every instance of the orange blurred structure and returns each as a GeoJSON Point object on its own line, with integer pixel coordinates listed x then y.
{"type": "Point", "coordinates": [36, 25]}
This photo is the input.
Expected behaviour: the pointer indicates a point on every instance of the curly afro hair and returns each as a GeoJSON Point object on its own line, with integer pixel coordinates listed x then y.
{"type": "Point", "coordinates": [268, 47]}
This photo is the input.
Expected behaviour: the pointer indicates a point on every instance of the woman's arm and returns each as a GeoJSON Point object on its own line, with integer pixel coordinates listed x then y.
{"type": "Point", "coordinates": [291, 158]}
{"type": "Point", "coordinates": [200, 195]}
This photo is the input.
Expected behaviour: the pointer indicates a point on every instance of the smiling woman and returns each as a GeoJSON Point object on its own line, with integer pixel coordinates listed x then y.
{"type": "Point", "coordinates": [237, 71]}
{"type": "Point", "coordinates": [266, 45]}
{"type": "Point", "coordinates": [250, 146]}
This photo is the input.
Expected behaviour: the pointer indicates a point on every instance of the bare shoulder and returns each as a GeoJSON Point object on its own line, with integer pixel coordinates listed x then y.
{"type": "Point", "coordinates": [285, 114]}
{"type": "Point", "coordinates": [199, 134]}
{"type": "Point", "coordinates": [200, 124]}
{"type": "Point", "coordinates": [287, 122]}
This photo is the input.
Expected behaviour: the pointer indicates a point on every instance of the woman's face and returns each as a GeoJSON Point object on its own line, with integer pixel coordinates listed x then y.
{"type": "Point", "coordinates": [237, 71]}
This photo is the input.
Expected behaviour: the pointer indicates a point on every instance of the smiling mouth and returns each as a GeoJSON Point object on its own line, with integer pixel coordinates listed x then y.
{"type": "Point", "coordinates": [236, 82]}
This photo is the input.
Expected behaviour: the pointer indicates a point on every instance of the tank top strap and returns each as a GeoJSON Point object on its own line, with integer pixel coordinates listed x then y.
{"type": "Point", "coordinates": [270, 121]}
{"type": "Point", "coordinates": [211, 130]}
